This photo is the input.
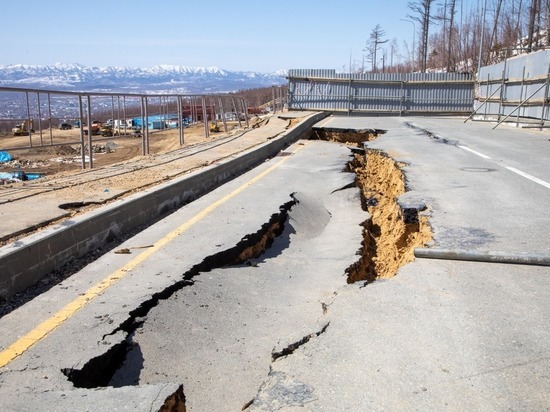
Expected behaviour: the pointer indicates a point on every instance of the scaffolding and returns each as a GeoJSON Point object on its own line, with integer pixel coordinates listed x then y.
{"type": "Point", "coordinates": [514, 91]}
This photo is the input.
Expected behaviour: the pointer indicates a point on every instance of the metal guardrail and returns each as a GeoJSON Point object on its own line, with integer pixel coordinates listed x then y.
{"type": "Point", "coordinates": [43, 108]}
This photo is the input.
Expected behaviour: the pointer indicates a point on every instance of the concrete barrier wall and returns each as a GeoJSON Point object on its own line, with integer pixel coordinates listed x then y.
{"type": "Point", "coordinates": [26, 261]}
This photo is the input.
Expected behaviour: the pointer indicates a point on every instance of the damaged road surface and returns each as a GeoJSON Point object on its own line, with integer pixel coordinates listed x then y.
{"type": "Point", "coordinates": [291, 288]}
{"type": "Point", "coordinates": [225, 286]}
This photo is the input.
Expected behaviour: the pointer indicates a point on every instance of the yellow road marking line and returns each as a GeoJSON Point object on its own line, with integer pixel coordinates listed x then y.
{"type": "Point", "coordinates": [38, 333]}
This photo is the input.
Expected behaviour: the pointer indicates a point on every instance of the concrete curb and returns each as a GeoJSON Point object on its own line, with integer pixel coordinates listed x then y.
{"type": "Point", "coordinates": [26, 261]}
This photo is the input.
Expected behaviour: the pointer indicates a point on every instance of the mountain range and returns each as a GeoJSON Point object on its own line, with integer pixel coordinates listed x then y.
{"type": "Point", "coordinates": [155, 79]}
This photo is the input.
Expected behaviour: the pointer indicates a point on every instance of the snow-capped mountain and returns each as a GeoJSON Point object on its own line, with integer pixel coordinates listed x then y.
{"type": "Point", "coordinates": [156, 79]}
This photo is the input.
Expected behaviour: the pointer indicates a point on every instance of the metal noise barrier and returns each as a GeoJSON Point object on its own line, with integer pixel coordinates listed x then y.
{"type": "Point", "coordinates": [533, 259]}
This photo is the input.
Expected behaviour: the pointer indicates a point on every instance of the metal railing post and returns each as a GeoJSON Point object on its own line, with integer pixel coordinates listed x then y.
{"type": "Point", "coordinates": [146, 131]}
{"type": "Point", "coordinates": [180, 119]}
{"type": "Point", "coordinates": [502, 91]}
{"type": "Point", "coordinates": [39, 119]}
{"type": "Point", "coordinates": [544, 106]}
{"type": "Point", "coordinates": [90, 141]}
{"type": "Point", "coordinates": [487, 106]}
{"type": "Point", "coordinates": [29, 119]}
{"type": "Point", "coordinates": [205, 118]}
{"type": "Point", "coordinates": [237, 112]}
{"type": "Point", "coordinates": [222, 111]}
{"type": "Point", "coordinates": [520, 94]}
{"type": "Point", "coordinates": [245, 109]}
{"type": "Point", "coordinates": [82, 143]}
{"type": "Point", "coordinates": [50, 119]}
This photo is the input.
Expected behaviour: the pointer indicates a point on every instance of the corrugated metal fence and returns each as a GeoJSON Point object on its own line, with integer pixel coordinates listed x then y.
{"type": "Point", "coordinates": [381, 93]}
{"type": "Point", "coordinates": [516, 89]}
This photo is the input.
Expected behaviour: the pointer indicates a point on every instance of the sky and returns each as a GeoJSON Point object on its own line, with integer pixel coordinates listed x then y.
{"type": "Point", "coordinates": [233, 35]}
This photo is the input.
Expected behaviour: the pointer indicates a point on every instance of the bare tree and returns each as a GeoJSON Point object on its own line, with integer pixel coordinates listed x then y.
{"type": "Point", "coordinates": [505, 28]}
{"type": "Point", "coordinates": [469, 39]}
{"type": "Point", "coordinates": [493, 43]}
{"type": "Point", "coordinates": [443, 41]}
{"type": "Point", "coordinates": [518, 21]}
{"type": "Point", "coordinates": [394, 53]}
{"type": "Point", "coordinates": [421, 10]}
{"type": "Point", "coordinates": [373, 44]}
{"type": "Point", "coordinates": [534, 13]}
{"type": "Point", "coordinates": [509, 26]}
{"type": "Point", "coordinates": [450, 59]}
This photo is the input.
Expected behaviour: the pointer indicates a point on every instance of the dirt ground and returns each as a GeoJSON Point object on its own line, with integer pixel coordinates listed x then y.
{"type": "Point", "coordinates": [64, 157]}
{"type": "Point", "coordinates": [120, 168]}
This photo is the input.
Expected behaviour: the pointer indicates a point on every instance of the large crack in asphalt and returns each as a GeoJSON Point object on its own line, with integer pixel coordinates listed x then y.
{"type": "Point", "coordinates": [437, 138]}
{"type": "Point", "coordinates": [98, 372]}
{"type": "Point", "coordinates": [287, 391]}
{"type": "Point", "coordinates": [393, 231]}
{"type": "Point", "coordinates": [289, 350]}
{"type": "Point", "coordinates": [353, 136]}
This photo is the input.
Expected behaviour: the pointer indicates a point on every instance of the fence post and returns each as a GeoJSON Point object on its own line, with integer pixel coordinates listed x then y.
{"type": "Point", "coordinates": [39, 118]}
{"type": "Point", "coordinates": [180, 120]}
{"type": "Point", "coordinates": [544, 106]}
{"type": "Point", "coordinates": [502, 90]}
{"type": "Point", "coordinates": [50, 119]}
{"type": "Point", "coordinates": [82, 144]}
{"type": "Point", "coordinates": [222, 111]}
{"type": "Point", "coordinates": [520, 94]}
{"type": "Point", "coordinates": [89, 114]}
{"type": "Point", "coordinates": [205, 118]}
{"type": "Point", "coordinates": [29, 118]}
{"type": "Point", "coordinates": [146, 131]}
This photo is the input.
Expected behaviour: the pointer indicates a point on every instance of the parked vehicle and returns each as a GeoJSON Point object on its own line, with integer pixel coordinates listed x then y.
{"type": "Point", "coordinates": [96, 126]}
{"type": "Point", "coordinates": [65, 126]}
{"type": "Point", "coordinates": [214, 126]}
{"type": "Point", "coordinates": [23, 128]}
{"type": "Point", "coordinates": [109, 130]}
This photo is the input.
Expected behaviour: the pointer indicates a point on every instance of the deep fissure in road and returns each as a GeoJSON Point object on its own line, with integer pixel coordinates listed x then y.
{"type": "Point", "coordinates": [392, 233]}
{"type": "Point", "coordinates": [350, 136]}
{"type": "Point", "coordinates": [99, 371]}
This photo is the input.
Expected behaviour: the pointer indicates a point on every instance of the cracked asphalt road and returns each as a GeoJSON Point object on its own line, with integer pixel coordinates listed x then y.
{"type": "Point", "coordinates": [219, 333]}
{"type": "Point", "coordinates": [216, 333]}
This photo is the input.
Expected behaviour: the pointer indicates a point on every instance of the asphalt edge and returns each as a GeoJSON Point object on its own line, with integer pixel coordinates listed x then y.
{"type": "Point", "coordinates": [27, 260]}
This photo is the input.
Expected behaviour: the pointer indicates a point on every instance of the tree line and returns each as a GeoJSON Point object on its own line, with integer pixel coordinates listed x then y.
{"type": "Point", "coordinates": [455, 36]}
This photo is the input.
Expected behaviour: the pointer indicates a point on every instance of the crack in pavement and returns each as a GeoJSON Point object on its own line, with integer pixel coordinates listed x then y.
{"type": "Point", "coordinates": [289, 350]}
{"type": "Point", "coordinates": [98, 372]}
